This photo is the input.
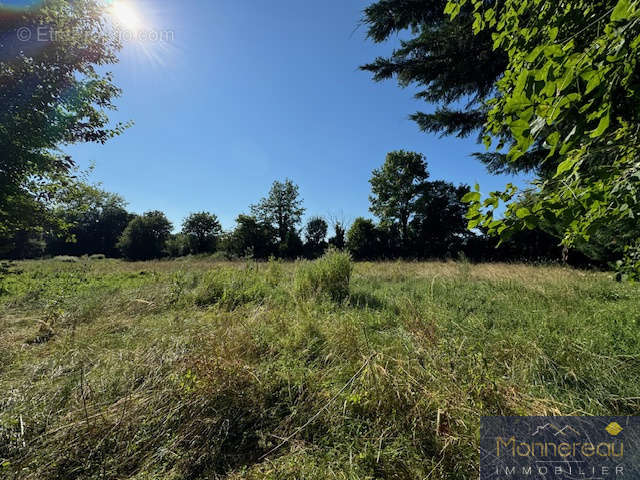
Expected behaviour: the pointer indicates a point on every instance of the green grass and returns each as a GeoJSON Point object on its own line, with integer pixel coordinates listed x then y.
{"type": "Point", "coordinates": [199, 369]}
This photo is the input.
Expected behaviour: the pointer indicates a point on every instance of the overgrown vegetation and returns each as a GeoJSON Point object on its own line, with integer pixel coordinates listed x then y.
{"type": "Point", "coordinates": [328, 276]}
{"type": "Point", "coordinates": [200, 369]}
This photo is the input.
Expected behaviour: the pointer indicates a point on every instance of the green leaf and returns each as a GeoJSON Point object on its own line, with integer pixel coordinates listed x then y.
{"type": "Point", "coordinates": [535, 53]}
{"type": "Point", "coordinates": [602, 126]}
{"type": "Point", "coordinates": [518, 128]}
{"type": "Point", "coordinates": [593, 82]}
{"type": "Point", "coordinates": [516, 103]}
{"type": "Point", "coordinates": [565, 166]}
{"type": "Point", "coordinates": [471, 197]}
{"type": "Point", "coordinates": [474, 223]}
{"type": "Point", "coordinates": [526, 114]}
{"type": "Point", "coordinates": [552, 140]}
{"type": "Point", "coordinates": [522, 212]}
{"type": "Point", "coordinates": [452, 9]}
{"type": "Point", "coordinates": [622, 11]}
{"type": "Point", "coordinates": [530, 222]}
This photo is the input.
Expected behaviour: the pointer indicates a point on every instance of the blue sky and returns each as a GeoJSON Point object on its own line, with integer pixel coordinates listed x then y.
{"type": "Point", "coordinates": [250, 91]}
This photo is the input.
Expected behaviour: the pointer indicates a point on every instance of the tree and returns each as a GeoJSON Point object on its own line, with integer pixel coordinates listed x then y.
{"type": "Point", "coordinates": [177, 245]}
{"type": "Point", "coordinates": [536, 87]}
{"type": "Point", "coordinates": [338, 240]}
{"type": "Point", "coordinates": [292, 247]}
{"type": "Point", "coordinates": [80, 219]}
{"type": "Point", "coordinates": [570, 86]}
{"type": "Point", "coordinates": [109, 226]}
{"type": "Point", "coordinates": [431, 60]}
{"type": "Point", "coordinates": [48, 97]}
{"type": "Point", "coordinates": [252, 238]}
{"type": "Point", "coordinates": [94, 220]}
{"type": "Point", "coordinates": [439, 226]}
{"type": "Point", "coordinates": [23, 244]}
{"type": "Point", "coordinates": [396, 187]}
{"type": "Point", "coordinates": [145, 236]}
{"type": "Point", "coordinates": [363, 240]}
{"type": "Point", "coordinates": [281, 209]}
{"type": "Point", "coordinates": [202, 230]}
{"type": "Point", "coordinates": [315, 235]}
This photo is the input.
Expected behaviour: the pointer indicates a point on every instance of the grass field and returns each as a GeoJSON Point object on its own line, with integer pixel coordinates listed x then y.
{"type": "Point", "coordinates": [193, 369]}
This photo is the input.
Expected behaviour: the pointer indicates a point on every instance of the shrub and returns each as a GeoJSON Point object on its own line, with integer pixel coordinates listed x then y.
{"type": "Point", "coordinates": [5, 270]}
{"type": "Point", "coordinates": [230, 288]}
{"type": "Point", "coordinates": [629, 267]}
{"type": "Point", "coordinates": [274, 272]}
{"type": "Point", "coordinates": [66, 258]}
{"type": "Point", "coordinates": [328, 276]}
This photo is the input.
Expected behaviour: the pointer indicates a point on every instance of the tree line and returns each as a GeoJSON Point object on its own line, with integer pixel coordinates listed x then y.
{"type": "Point", "coordinates": [416, 219]}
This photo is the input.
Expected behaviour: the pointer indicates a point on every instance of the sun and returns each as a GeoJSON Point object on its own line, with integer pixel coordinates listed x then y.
{"type": "Point", "coordinates": [126, 15]}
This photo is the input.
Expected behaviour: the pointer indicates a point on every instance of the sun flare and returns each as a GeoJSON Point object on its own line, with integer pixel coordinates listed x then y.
{"type": "Point", "coordinates": [126, 15]}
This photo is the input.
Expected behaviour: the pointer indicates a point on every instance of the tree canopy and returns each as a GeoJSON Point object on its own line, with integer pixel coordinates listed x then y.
{"type": "Point", "coordinates": [570, 85]}
{"type": "Point", "coordinates": [281, 209]}
{"type": "Point", "coordinates": [363, 239]}
{"type": "Point", "coordinates": [431, 60]}
{"type": "Point", "coordinates": [95, 220]}
{"type": "Point", "coordinates": [439, 227]}
{"type": "Point", "coordinates": [145, 236]}
{"type": "Point", "coordinates": [315, 233]}
{"type": "Point", "coordinates": [53, 91]}
{"type": "Point", "coordinates": [551, 89]}
{"type": "Point", "coordinates": [251, 238]}
{"type": "Point", "coordinates": [202, 230]}
{"type": "Point", "coordinates": [395, 188]}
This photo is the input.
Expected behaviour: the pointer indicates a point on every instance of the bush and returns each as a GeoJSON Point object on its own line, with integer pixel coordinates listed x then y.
{"type": "Point", "coordinates": [230, 288]}
{"type": "Point", "coordinates": [328, 276]}
{"type": "Point", "coordinates": [66, 259]}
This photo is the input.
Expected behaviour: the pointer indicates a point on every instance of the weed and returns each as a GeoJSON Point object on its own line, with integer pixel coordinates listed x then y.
{"type": "Point", "coordinates": [328, 276]}
{"type": "Point", "coordinates": [230, 288]}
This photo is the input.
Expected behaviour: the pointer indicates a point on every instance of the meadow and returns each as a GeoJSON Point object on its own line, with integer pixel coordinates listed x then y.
{"type": "Point", "coordinates": [195, 368]}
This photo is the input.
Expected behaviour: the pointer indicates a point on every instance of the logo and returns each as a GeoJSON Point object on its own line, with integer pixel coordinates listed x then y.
{"type": "Point", "coordinates": [588, 448]}
{"type": "Point", "coordinates": [613, 428]}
